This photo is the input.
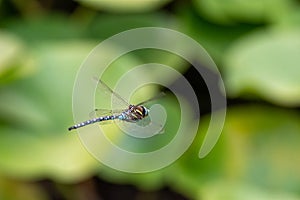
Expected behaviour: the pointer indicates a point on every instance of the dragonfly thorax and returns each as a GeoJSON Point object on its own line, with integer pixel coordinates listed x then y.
{"type": "Point", "coordinates": [138, 112]}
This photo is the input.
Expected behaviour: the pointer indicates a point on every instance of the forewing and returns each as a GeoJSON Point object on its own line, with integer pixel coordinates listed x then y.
{"type": "Point", "coordinates": [98, 112]}
{"type": "Point", "coordinates": [117, 100]}
{"type": "Point", "coordinates": [158, 96]}
{"type": "Point", "coordinates": [152, 127]}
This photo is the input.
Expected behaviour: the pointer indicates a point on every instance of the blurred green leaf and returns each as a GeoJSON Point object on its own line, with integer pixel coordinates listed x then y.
{"type": "Point", "coordinates": [265, 63]}
{"type": "Point", "coordinates": [15, 62]}
{"type": "Point", "coordinates": [262, 145]}
{"type": "Point", "coordinates": [106, 25]}
{"type": "Point", "coordinates": [292, 20]}
{"type": "Point", "coordinates": [215, 39]}
{"type": "Point", "coordinates": [228, 12]}
{"type": "Point", "coordinates": [125, 5]}
{"type": "Point", "coordinates": [220, 190]}
{"type": "Point", "coordinates": [257, 152]}
{"type": "Point", "coordinates": [43, 28]}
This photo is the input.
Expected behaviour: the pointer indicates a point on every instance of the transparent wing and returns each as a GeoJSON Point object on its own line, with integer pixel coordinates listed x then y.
{"type": "Point", "coordinates": [152, 128]}
{"type": "Point", "coordinates": [98, 112]}
{"type": "Point", "coordinates": [158, 96]}
{"type": "Point", "coordinates": [154, 125]}
{"type": "Point", "coordinates": [105, 90]}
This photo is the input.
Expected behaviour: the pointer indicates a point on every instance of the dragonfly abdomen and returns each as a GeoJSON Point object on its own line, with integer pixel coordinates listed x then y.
{"type": "Point", "coordinates": [92, 121]}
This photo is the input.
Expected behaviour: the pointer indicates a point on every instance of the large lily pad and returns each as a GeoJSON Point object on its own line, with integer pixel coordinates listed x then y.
{"type": "Point", "coordinates": [126, 5]}
{"type": "Point", "coordinates": [215, 39]}
{"type": "Point", "coordinates": [265, 63]}
{"type": "Point", "coordinates": [15, 62]}
{"type": "Point", "coordinates": [228, 12]}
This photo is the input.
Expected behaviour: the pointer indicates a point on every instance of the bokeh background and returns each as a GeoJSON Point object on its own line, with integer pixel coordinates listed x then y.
{"type": "Point", "coordinates": [256, 46]}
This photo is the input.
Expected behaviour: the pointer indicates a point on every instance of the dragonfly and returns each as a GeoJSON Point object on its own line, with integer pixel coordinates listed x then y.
{"type": "Point", "coordinates": [131, 114]}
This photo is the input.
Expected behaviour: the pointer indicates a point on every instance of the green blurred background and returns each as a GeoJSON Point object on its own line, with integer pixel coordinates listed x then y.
{"type": "Point", "coordinates": [256, 46]}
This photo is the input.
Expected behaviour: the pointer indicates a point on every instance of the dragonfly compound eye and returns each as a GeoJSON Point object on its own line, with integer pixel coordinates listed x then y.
{"type": "Point", "coordinates": [145, 111]}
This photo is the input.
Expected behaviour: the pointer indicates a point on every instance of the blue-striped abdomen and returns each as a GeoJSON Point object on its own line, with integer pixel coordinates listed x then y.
{"type": "Point", "coordinates": [92, 121]}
